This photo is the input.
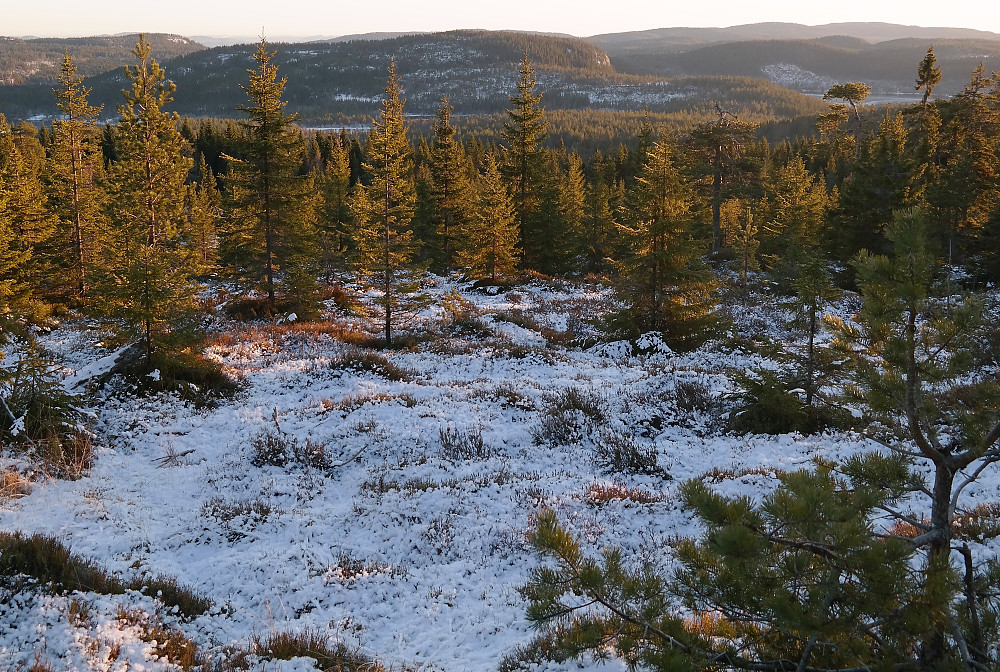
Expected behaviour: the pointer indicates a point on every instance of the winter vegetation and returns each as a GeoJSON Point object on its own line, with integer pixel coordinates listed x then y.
{"type": "Point", "coordinates": [284, 399]}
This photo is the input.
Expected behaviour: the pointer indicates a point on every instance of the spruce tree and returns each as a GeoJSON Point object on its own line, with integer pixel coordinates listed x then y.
{"type": "Point", "coordinates": [794, 215]}
{"type": "Point", "coordinates": [146, 275]}
{"type": "Point", "coordinates": [203, 204]}
{"type": "Point", "coordinates": [15, 256]}
{"type": "Point", "coordinates": [666, 285]}
{"type": "Point", "coordinates": [335, 221]}
{"type": "Point", "coordinates": [573, 210]}
{"type": "Point", "coordinates": [965, 190]}
{"type": "Point", "coordinates": [25, 209]}
{"type": "Point", "coordinates": [489, 243]}
{"type": "Point", "coordinates": [269, 236]}
{"type": "Point", "coordinates": [523, 132]}
{"type": "Point", "coordinates": [742, 230]}
{"type": "Point", "coordinates": [884, 179]}
{"type": "Point", "coordinates": [385, 246]}
{"type": "Point", "coordinates": [75, 167]}
{"type": "Point", "coordinates": [596, 240]}
{"type": "Point", "coordinates": [451, 186]}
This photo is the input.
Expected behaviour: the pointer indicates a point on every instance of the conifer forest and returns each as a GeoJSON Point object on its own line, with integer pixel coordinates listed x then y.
{"type": "Point", "coordinates": [514, 381]}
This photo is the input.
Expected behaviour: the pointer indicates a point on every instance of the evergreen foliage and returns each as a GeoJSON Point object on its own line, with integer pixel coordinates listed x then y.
{"type": "Point", "coordinates": [383, 210]}
{"type": "Point", "coordinates": [451, 186]}
{"type": "Point", "coordinates": [716, 154]}
{"type": "Point", "coordinates": [269, 236]}
{"type": "Point", "coordinates": [15, 255]}
{"type": "Point", "coordinates": [489, 245]}
{"type": "Point", "coordinates": [800, 581]}
{"type": "Point", "coordinates": [523, 133]}
{"type": "Point", "coordinates": [203, 204]}
{"type": "Point", "coordinates": [75, 170]}
{"type": "Point", "coordinates": [664, 281]}
{"type": "Point", "coordinates": [146, 275]}
{"type": "Point", "coordinates": [335, 222]}
{"type": "Point", "coordinates": [915, 375]}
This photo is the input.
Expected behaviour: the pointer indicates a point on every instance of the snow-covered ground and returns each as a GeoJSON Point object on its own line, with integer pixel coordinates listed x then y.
{"type": "Point", "coordinates": [413, 551]}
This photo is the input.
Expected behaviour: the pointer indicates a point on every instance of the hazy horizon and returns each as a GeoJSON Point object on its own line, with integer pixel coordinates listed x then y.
{"type": "Point", "coordinates": [313, 19]}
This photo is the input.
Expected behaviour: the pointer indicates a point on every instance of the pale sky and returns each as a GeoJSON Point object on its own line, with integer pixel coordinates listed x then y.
{"type": "Point", "coordinates": [72, 18]}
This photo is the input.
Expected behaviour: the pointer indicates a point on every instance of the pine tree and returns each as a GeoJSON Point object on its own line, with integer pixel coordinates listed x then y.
{"type": "Point", "coordinates": [269, 236]}
{"type": "Point", "coordinates": [664, 281]}
{"type": "Point", "coordinates": [717, 151]}
{"type": "Point", "coordinates": [799, 581]}
{"type": "Point", "coordinates": [928, 75]}
{"type": "Point", "coordinates": [523, 132]}
{"type": "Point", "coordinates": [385, 246]}
{"type": "Point", "coordinates": [813, 290]}
{"type": "Point", "coordinates": [915, 374]}
{"type": "Point", "coordinates": [489, 244]}
{"type": "Point", "coordinates": [146, 275]}
{"type": "Point", "coordinates": [75, 167]}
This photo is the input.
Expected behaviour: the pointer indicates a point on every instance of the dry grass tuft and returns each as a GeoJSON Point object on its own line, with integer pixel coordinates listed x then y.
{"type": "Point", "coordinates": [13, 485]}
{"type": "Point", "coordinates": [600, 494]}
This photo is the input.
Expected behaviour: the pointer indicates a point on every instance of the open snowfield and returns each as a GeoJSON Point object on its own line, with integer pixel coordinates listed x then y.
{"type": "Point", "coordinates": [410, 545]}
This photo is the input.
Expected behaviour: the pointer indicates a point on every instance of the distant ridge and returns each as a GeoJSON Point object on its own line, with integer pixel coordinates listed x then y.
{"type": "Point", "coordinates": [39, 59]}
{"type": "Point", "coordinates": [476, 69]}
{"type": "Point", "coordinates": [230, 40]}
{"type": "Point", "coordinates": [681, 38]}
{"type": "Point", "coordinates": [809, 59]}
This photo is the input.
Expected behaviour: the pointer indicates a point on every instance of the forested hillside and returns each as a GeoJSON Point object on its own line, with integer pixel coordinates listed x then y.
{"type": "Point", "coordinates": [331, 81]}
{"type": "Point", "coordinates": [682, 39]}
{"type": "Point", "coordinates": [815, 65]}
{"type": "Point", "coordinates": [37, 60]}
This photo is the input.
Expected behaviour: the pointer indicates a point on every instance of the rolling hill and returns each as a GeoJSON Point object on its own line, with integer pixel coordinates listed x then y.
{"type": "Point", "coordinates": [476, 69]}
{"type": "Point", "coordinates": [38, 60]}
{"type": "Point", "coordinates": [808, 58]}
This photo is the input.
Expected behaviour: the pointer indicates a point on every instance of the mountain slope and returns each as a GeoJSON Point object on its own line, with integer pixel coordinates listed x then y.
{"type": "Point", "coordinates": [686, 38]}
{"type": "Point", "coordinates": [476, 69]}
{"type": "Point", "coordinates": [39, 59]}
{"type": "Point", "coordinates": [814, 65]}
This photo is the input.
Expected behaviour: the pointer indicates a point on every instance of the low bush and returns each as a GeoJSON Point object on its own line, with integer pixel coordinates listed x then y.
{"type": "Point", "coordinates": [188, 374]}
{"type": "Point", "coordinates": [620, 454]}
{"type": "Point", "coordinates": [362, 360]}
{"type": "Point", "coordinates": [770, 403]}
{"type": "Point", "coordinates": [34, 406]}
{"type": "Point", "coordinates": [567, 416]}
{"type": "Point", "coordinates": [460, 446]}
{"type": "Point", "coordinates": [277, 450]}
{"type": "Point", "coordinates": [600, 494]}
{"type": "Point", "coordinates": [694, 395]}
{"type": "Point", "coordinates": [13, 484]}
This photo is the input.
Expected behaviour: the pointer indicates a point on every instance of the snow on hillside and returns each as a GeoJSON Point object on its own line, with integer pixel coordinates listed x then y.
{"type": "Point", "coordinates": [413, 551]}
